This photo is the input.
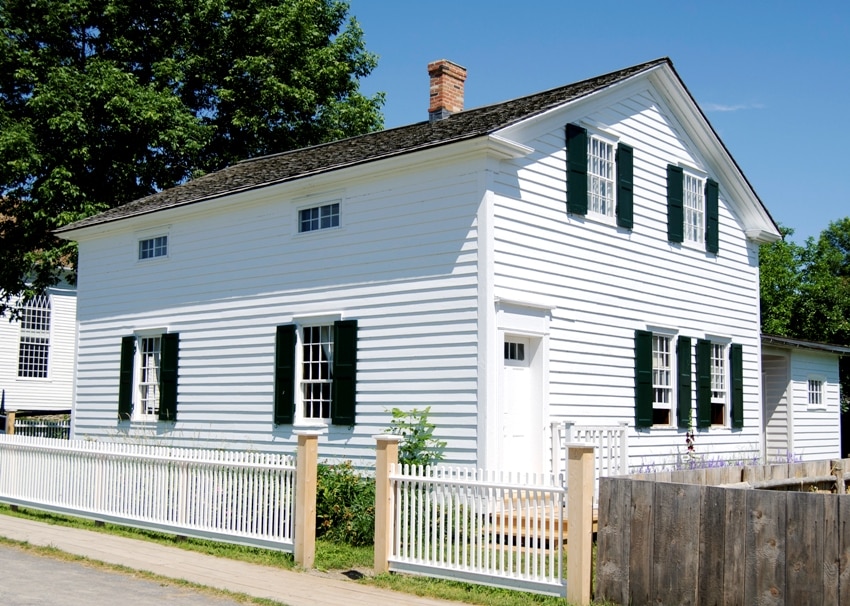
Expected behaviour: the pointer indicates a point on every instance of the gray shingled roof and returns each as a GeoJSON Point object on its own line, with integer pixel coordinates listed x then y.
{"type": "Point", "coordinates": [268, 170]}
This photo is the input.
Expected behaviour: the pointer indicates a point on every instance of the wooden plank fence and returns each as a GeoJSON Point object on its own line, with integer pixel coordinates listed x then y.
{"type": "Point", "coordinates": [670, 538]}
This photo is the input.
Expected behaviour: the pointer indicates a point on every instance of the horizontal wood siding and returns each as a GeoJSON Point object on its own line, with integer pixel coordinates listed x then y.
{"type": "Point", "coordinates": [775, 368]}
{"type": "Point", "coordinates": [56, 391]}
{"type": "Point", "coordinates": [403, 264]}
{"type": "Point", "coordinates": [608, 281]}
{"type": "Point", "coordinates": [817, 430]}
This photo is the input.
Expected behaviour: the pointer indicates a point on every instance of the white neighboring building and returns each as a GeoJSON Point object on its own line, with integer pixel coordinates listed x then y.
{"type": "Point", "coordinates": [37, 352]}
{"type": "Point", "coordinates": [802, 408]}
{"type": "Point", "coordinates": [587, 254]}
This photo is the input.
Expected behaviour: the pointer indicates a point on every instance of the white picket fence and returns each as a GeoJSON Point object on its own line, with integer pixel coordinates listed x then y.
{"type": "Point", "coordinates": [44, 428]}
{"type": "Point", "coordinates": [494, 528]}
{"type": "Point", "coordinates": [611, 442]}
{"type": "Point", "coordinates": [238, 497]}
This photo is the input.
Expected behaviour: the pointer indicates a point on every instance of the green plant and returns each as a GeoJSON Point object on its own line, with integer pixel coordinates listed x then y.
{"type": "Point", "coordinates": [419, 446]}
{"type": "Point", "coordinates": [345, 505]}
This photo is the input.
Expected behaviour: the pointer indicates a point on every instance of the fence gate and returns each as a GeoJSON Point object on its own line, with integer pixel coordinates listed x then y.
{"type": "Point", "coordinates": [495, 528]}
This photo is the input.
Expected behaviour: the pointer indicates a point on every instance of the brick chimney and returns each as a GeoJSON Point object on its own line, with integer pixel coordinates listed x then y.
{"type": "Point", "coordinates": [447, 80]}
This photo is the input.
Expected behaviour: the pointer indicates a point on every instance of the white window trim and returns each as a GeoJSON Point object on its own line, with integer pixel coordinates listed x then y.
{"type": "Point", "coordinates": [138, 414]}
{"type": "Point", "coordinates": [822, 379]}
{"type": "Point", "coordinates": [672, 334]}
{"type": "Point", "coordinates": [50, 340]}
{"type": "Point", "coordinates": [672, 357]}
{"type": "Point", "coordinates": [611, 216]}
{"type": "Point", "coordinates": [149, 235]}
{"type": "Point", "coordinates": [702, 176]}
{"type": "Point", "coordinates": [724, 342]}
{"type": "Point", "coordinates": [612, 140]}
{"type": "Point", "coordinates": [317, 203]}
{"type": "Point", "coordinates": [300, 421]}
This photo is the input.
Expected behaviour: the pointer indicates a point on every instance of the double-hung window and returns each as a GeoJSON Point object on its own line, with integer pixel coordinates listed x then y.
{"type": "Point", "coordinates": [150, 364]}
{"type": "Point", "coordinates": [315, 373]}
{"type": "Point", "coordinates": [692, 209]}
{"type": "Point", "coordinates": [663, 375]}
{"type": "Point", "coordinates": [316, 377]}
{"type": "Point", "coordinates": [148, 377]}
{"type": "Point", "coordinates": [694, 206]}
{"type": "Point", "coordinates": [719, 384]}
{"type": "Point", "coordinates": [662, 379]}
{"type": "Point", "coordinates": [599, 176]}
{"type": "Point", "coordinates": [34, 346]}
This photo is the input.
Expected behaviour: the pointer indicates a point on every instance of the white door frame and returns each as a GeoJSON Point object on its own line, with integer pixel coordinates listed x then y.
{"type": "Point", "coordinates": [528, 321]}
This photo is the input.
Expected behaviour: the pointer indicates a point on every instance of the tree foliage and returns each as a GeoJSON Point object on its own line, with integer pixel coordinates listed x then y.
{"type": "Point", "coordinates": [805, 290]}
{"type": "Point", "coordinates": [106, 101]}
{"type": "Point", "coordinates": [780, 284]}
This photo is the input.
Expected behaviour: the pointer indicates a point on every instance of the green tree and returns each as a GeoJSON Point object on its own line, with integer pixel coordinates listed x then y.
{"type": "Point", "coordinates": [805, 291]}
{"type": "Point", "coordinates": [780, 283]}
{"type": "Point", "coordinates": [106, 101]}
{"type": "Point", "coordinates": [824, 306]}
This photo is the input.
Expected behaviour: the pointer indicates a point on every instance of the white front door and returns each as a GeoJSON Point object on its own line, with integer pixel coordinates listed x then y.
{"type": "Point", "coordinates": [520, 442]}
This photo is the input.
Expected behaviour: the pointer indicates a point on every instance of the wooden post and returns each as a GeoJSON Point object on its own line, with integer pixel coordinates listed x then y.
{"type": "Point", "coordinates": [836, 468]}
{"type": "Point", "coordinates": [580, 483]}
{"type": "Point", "coordinates": [386, 456]}
{"type": "Point", "coordinates": [305, 497]}
{"type": "Point", "coordinates": [10, 422]}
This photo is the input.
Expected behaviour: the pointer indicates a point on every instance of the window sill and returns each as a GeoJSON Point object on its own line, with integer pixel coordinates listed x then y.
{"type": "Point", "coordinates": [310, 424]}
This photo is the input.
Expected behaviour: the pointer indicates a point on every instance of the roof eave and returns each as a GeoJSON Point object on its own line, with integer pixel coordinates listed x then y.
{"type": "Point", "coordinates": [786, 342]}
{"type": "Point", "coordinates": [491, 145]}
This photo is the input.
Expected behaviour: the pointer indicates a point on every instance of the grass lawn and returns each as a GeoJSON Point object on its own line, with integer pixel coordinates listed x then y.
{"type": "Point", "coordinates": [331, 558]}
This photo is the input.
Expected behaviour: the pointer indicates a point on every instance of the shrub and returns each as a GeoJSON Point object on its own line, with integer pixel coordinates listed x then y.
{"type": "Point", "coordinates": [419, 446]}
{"type": "Point", "coordinates": [345, 505]}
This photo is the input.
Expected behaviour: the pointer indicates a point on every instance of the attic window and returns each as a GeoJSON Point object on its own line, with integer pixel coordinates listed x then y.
{"type": "Point", "coordinates": [151, 248]}
{"type": "Point", "coordinates": [318, 217]}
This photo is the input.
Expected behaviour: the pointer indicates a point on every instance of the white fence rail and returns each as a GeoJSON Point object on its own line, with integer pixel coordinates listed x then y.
{"type": "Point", "coordinates": [239, 497]}
{"type": "Point", "coordinates": [492, 528]}
{"type": "Point", "coordinates": [611, 442]}
{"type": "Point", "coordinates": [43, 428]}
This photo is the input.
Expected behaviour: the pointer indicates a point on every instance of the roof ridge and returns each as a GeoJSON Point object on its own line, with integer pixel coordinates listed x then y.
{"type": "Point", "coordinates": [269, 169]}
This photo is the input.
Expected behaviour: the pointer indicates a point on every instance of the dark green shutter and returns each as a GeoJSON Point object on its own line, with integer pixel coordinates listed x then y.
{"type": "Point", "coordinates": [712, 218]}
{"type": "Point", "coordinates": [625, 186]}
{"type": "Point", "coordinates": [643, 378]}
{"type": "Point", "coordinates": [683, 397]}
{"type": "Point", "coordinates": [576, 169]}
{"type": "Point", "coordinates": [703, 383]}
{"type": "Point", "coordinates": [125, 380]}
{"type": "Point", "coordinates": [284, 375]}
{"type": "Point", "coordinates": [736, 354]}
{"type": "Point", "coordinates": [675, 204]}
{"type": "Point", "coordinates": [168, 376]}
{"type": "Point", "coordinates": [344, 390]}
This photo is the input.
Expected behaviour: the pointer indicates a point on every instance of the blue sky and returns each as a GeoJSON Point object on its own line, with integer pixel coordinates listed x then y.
{"type": "Point", "coordinates": [773, 76]}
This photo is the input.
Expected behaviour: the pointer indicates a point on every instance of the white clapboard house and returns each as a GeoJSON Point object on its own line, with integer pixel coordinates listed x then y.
{"type": "Point", "coordinates": [585, 254]}
{"type": "Point", "coordinates": [37, 352]}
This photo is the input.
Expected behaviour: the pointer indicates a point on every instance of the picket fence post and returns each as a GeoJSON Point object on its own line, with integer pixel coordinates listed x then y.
{"type": "Point", "coordinates": [386, 456]}
{"type": "Point", "coordinates": [306, 464]}
{"type": "Point", "coordinates": [10, 422]}
{"type": "Point", "coordinates": [581, 483]}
